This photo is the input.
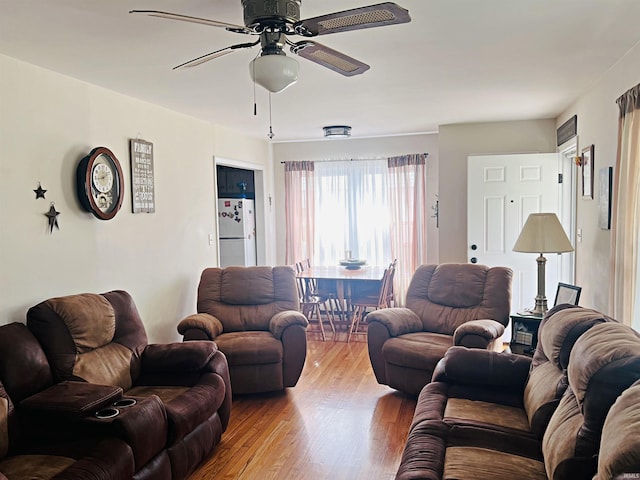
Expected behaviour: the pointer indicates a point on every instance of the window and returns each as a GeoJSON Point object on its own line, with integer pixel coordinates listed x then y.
{"type": "Point", "coordinates": [352, 211]}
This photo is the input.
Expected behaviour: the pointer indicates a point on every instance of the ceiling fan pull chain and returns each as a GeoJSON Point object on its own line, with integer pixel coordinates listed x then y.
{"type": "Point", "coordinates": [255, 105]}
{"type": "Point", "coordinates": [271, 134]}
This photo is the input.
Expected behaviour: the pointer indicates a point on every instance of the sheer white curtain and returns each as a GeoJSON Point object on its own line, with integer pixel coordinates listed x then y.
{"type": "Point", "coordinates": [408, 205]}
{"type": "Point", "coordinates": [376, 209]}
{"type": "Point", "coordinates": [299, 198]}
{"type": "Point", "coordinates": [352, 211]}
{"type": "Point", "coordinates": [625, 295]}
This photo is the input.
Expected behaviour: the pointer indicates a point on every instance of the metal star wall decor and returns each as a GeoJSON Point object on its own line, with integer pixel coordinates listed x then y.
{"type": "Point", "coordinates": [39, 191]}
{"type": "Point", "coordinates": [52, 215]}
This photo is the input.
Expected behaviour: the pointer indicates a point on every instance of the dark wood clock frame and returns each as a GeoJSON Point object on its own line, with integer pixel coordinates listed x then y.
{"type": "Point", "coordinates": [84, 183]}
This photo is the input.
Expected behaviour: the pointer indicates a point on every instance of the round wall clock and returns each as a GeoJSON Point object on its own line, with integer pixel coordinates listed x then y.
{"type": "Point", "coordinates": [100, 183]}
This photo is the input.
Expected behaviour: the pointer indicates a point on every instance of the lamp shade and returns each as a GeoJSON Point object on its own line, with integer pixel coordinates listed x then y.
{"type": "Point", "coordinates": [275, 72]}
{"type": "Point", "coordinates": [543, 233]}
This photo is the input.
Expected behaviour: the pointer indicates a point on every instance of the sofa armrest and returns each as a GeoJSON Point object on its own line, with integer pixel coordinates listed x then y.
{"type": "Point", "coordinates": [478, 333]}
{"type": "Point", "coordinates": [73, 410]}
{"type": "Point", "coordinates": [143, 426]}
{"type": "Point", "coordinates": [483, 368]}
{"type": "Point", "coordinates": [187, 357]}
{"type": "Point", "coordinates": [397, 320]}
{"type": "Point", "coordinates": [280, 321]}
{"type": "Point", "coordinates": [208, 324]}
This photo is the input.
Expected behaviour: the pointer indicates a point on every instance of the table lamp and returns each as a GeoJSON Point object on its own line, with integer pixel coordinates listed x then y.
{"type": "Point", "coordinates": [542, 233]}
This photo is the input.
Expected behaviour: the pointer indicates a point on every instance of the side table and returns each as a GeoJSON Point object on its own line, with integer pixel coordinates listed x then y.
{"type": "Point", "coordinates": [524, 333]}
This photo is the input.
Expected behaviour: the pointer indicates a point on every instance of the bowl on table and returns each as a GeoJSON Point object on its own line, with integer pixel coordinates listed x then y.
{"type": "Point", "coordinates": [352, 264]}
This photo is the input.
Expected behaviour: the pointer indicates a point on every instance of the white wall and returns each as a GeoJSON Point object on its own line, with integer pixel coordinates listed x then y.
{"type": "Point", "coordinates": [455, 144]}
{"type": "Point", "coordinates": [48, 122]}
{"type": "Point", "coordinates": [357, 148]}
{"type": "Point", "coordinates": [597, 113]}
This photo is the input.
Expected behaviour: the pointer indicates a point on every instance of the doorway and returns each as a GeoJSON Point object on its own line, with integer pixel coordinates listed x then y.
{"type": "Point", "coordinates": [258, 193]}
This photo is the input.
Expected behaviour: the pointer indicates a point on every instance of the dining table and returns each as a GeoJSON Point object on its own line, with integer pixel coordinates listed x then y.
{"type": "Point", "coordinates": [367, 278]}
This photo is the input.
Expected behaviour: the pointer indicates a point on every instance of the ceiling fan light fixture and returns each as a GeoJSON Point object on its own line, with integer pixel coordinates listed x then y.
{"type": "Point", "coordinates": [275, 72]}
{"type": "Point", "coordinates": [337, 131]}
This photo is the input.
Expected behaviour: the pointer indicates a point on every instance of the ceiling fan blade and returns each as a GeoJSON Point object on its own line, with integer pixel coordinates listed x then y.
{"type": "Point", "coordinates": [218, 53]}
{"type": "Point", "coordinates": [187, 18]}
{"type": "Point", "coordinates": [387, 13]}
{"type": "Point", "coordinates": [330, 58]}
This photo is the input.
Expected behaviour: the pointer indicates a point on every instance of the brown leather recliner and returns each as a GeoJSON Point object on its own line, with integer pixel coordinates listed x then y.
{"type": "Point", "coordinates": [253, 315]}
{"type": "Point", "coordinates": [51, 430]}
{"type": "Point", "coordinates": [447, 304]}
{"type": "Point", "coordinates": [100, 339]}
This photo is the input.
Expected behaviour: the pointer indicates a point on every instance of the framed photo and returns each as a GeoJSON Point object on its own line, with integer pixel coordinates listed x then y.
{"type": "Point", "coordinates": [604, 197]}
{"type": "Point", "coordinates": [588, 171]}
{"type": "Point", "coordinates": [567, 294]}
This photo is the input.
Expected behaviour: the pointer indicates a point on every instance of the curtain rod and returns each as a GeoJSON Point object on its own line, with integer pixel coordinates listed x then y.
{"type": "Point", "coordinates": [426, 154]}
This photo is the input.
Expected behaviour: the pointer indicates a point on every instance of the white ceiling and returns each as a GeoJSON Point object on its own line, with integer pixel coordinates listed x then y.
{"type": "Point", "coordinates": [458, 61]}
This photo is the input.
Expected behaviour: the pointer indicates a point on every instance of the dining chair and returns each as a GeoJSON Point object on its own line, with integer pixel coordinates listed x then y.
{"type": "Point", "coordinates": [311, 301]}
{"type": "Point", "coordinates": [381, 299]}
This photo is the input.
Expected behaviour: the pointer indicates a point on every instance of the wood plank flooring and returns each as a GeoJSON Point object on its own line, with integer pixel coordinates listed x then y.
{"type": "Point", "coordinates": [336, 423]}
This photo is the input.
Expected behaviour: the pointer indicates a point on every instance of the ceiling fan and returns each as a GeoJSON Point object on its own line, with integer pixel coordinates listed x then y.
{"type": "Point", "coordinates": [273, 21]}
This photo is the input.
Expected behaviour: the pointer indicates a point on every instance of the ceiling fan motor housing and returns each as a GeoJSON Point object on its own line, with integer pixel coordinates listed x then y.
{"type": "Point", "coordinates": [260, 12]}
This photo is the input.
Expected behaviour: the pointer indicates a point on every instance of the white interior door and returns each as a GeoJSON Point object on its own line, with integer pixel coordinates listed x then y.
{"type": "Point", "coordinates": [502, 191]}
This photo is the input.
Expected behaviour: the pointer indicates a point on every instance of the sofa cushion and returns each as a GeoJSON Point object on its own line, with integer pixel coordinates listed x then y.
{"type": "Point", "coordinates": [245, 298]}
{"type": "Point", "coordinates": [24, 368]}
{"type": "Point", "coordinates": [89, 318]}
{"type": "Point", "coordinates": [455, 288]}
{"type": "Point", "coordinates": [108, 365]}
{"type": "Point", "coordinates": [41, 467]}
{"type": "Point", "coordinates": [560, 441]}
{"type": "Point", "coordinates": [250, 348]}
{"type": "Point", "coordinates": [445, 296]}
{"type": "Point", "coordinates": [479, 412]}
{"type": "Point", "coordinates": [485, 464]}
{"type": "Point", "coordinates": [559, 331]}
{"type": "Point", "coordinates": [420, 350]}
{"type": "Point", "coordinates": [187, 407]}
{"type": "Point", "coordinates": [602, 345]}
{"type": "Point", "coordinates": [545, 386]}
{"type": "Point", "coordinates": [620, 447]}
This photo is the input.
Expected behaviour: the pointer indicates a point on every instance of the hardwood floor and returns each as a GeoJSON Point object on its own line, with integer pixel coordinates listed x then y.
{"type": "Point", "coordinates": [336, 423]}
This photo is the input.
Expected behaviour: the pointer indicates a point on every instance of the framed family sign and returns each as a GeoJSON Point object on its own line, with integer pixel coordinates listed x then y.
{"type": "Point", "coordinates": [142, 184]}
{"type": "Point", "coordinates": [588, 171]}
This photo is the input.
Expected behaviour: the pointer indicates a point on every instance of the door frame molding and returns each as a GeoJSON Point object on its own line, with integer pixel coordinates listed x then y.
{"type": "Point", "coordinates": [568, 195]}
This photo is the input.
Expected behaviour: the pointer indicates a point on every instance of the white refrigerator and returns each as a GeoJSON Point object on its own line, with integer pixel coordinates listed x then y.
{"type": "Point", "coordinates": [237, 232]}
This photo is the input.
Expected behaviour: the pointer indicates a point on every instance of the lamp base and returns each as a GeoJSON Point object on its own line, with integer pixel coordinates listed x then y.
{"type": "Point", "coordinates": [541, 306]}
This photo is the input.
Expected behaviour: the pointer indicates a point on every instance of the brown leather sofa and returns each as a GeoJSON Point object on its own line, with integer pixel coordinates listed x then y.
{"type": "Point", "coordinates": [446, 305]}
{"type": "Point", "coordinates": [253, 315]}
{"type": "Point", "coordinates": [50, 430]}
{"type": "Point", "coordinates": [100, 340]}
{"type": "Point", "coordinates": [490, 415]}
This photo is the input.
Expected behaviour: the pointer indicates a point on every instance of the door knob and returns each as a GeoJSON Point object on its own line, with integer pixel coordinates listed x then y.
{"type": "Point", "coordinates": [474, 247]}
{"type": "Point", "coordinates": [474, 260]}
